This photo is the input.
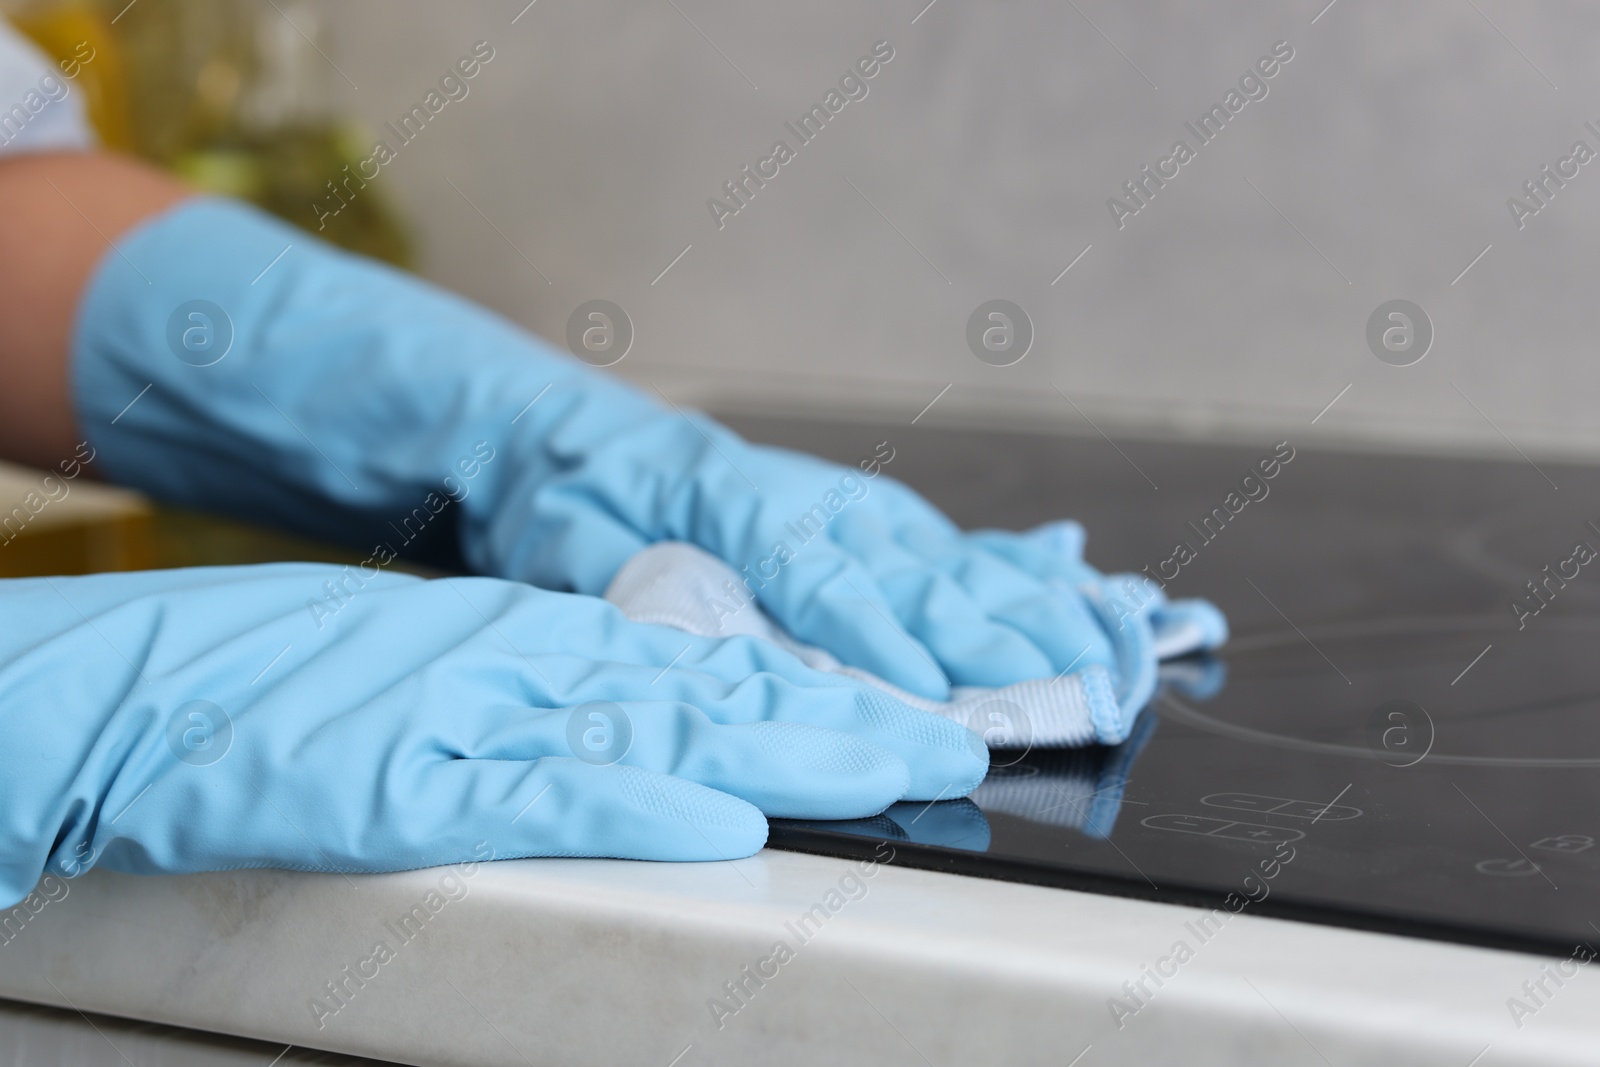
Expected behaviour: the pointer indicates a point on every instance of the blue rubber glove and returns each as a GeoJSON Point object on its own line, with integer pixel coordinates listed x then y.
{"type": "Point", "coordinates": [1053, 553]}
{"type": "Point", "coordinates": [225, 361]}
{"type": "Point", "coordinates": [207, 719]}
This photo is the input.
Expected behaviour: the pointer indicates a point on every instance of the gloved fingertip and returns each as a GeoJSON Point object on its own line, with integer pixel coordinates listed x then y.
{"type": "Point", "coordinates": [949, 786]}
{"type": "Point", "coordinates": [726, 826]}
{"type": "Point", "coordinates": [1211, 620]}
{"type": "Point", "coordinates": [744, 844]}
{"type": "Point", "coordinates": [818, 773]}
{"type": "Point", "coordinates": [946, 759]}
{"type": "Point", "coordinates": [1063, 537]}
{"type": "Point", "coordinates": [965, 775]}
{"type": "Point", "coordinates": [1189, 625]}
{"type": "Point", "coordinates": [1196, 677]}
{"type": "Point", "coordinates": [575, 808]}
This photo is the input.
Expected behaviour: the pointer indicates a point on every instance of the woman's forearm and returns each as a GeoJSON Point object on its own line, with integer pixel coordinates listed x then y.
{"type": "Point", "coordinates": [64, 211]}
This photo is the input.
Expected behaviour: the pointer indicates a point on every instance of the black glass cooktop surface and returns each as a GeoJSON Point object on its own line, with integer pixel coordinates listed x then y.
{"type": "Point", "coordinates": [1402, 735]}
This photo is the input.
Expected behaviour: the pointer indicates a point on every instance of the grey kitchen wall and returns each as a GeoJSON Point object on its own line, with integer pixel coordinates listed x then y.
{"type": "Point", "coordinates": [1235, 302]}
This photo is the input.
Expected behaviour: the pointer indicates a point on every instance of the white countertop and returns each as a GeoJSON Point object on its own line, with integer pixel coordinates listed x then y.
{"type": "Point", "coordinates": [576, 962]}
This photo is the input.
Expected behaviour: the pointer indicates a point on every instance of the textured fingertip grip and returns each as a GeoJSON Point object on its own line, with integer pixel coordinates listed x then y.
{"type": "Point", "coordinates": [955, 760]}
{"type": "Point", "coordinates": [824, 774]}
{"type": "Point", "coordinates": [668, 797]}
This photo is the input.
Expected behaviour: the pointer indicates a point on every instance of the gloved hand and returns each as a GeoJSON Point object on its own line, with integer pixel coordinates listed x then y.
{"type": "Point", "coordinates": [226, 361]}
{"type": "Point", "coordinates": [208, 719]}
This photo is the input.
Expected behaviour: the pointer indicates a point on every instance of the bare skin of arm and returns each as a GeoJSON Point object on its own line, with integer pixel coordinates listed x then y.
{"type": "Point", "coordinates": [64, 212]}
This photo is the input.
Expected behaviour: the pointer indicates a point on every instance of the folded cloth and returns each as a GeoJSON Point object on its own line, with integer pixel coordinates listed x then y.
{"type": "Point", "coordinates": [672, 583]}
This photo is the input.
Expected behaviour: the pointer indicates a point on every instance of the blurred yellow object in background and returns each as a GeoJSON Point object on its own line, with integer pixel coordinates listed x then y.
{"type": "Point", "coordinates": [52, 525]}
{"type": "Point", "coordinates": [58, 29]}
{"type": "Point", "coordinates": [55, 525]}
{"type": "Point", "coordinates": [230, 95]}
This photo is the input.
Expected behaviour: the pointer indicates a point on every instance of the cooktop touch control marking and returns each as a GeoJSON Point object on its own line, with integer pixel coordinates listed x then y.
{"type": "Point", "coordinates": [1518, 868]}
{"type": "Point", "coordinates": [1565, 843]}
{"type": "Point", "coordinates": [1209, 827]}
{"type": "Point", "coordinates": [1315, 810]}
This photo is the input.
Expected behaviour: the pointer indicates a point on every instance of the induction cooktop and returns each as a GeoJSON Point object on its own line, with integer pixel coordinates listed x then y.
{"type": "Point", "coordinates": [1403, 734]}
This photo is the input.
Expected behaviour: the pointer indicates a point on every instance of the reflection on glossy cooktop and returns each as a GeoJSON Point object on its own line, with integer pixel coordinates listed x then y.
{"type": "Point", "coordinates": [1404, 734]}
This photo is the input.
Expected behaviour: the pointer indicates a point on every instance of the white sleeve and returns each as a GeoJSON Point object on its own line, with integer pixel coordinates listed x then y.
{"type": "Point", "coordinates": [39, 111]}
